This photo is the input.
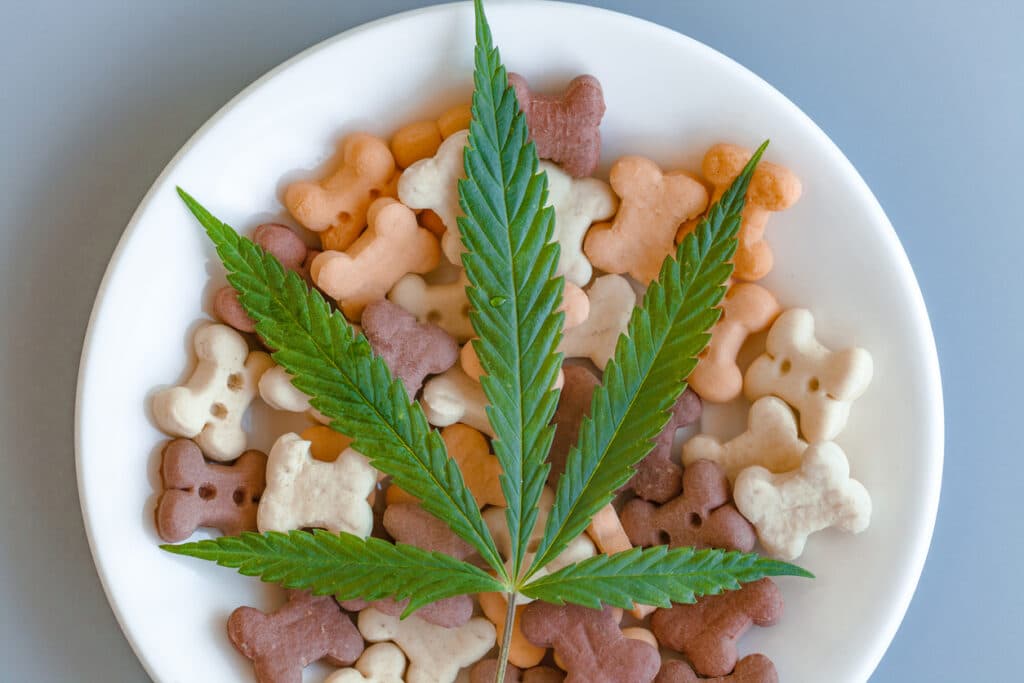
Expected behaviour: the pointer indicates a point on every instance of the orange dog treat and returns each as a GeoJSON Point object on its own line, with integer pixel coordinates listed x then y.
{"type": "Point", "coordinates": [391, 247]}
{"type": "Point", "coordinates": [415, 141]}
{"type": "Point", "coordinates": [522, 653]}
{"type": "Point", "coordinates": [337, 205]}
{"type": "Point", "coordinates": [653, 205]}
{"type": "Point", "coordinates": [606, 531]}
{"type": "Point", "coordinates": [772, 188]}
{"type": "Point", "coordinates": [746, 309]}
{"type": "Point", "coordinates": [324, 443]}
{"type": "Point", "coordinates": [432, 222]}
{"type": "Point", "coordinates": [455, 119]}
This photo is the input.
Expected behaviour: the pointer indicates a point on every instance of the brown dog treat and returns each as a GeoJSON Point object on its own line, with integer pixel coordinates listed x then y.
{"type": "Point", "coordinates": [432, 222]}
{"type": "Point", "coordinates": [411, 349]}
{"type": "Point", "coordinates": [229, 310]}
{"type": "Point", "coordinates": [701, 517]}
{"type": "Point", "coordinates": [486, 670]}
{"type": "Point", "coordinates": [410, 524]}
{"type": "Point", "coordinates": [306, 629]}
{"type": "Point", "coordinates": [565, 127]}
{"type": "Point", "coordinates": [590, 644]}
{"type": "Point", "coordinates": [707, 631]}
{"type": "Point", "coordinates": [573, 405]}
{"type": "Point", "coordinates": [657, 478]}
{"type": "Point", "coordinates": [750, 669]}
{"type": "Point", "coordinates": [455, 119]}
{"type": "Point", "coordinates": [543, 674]}
{"type": "Point", "coordinates": [283, 243]}
{"type": "Point", "coordinates": [197, 493]}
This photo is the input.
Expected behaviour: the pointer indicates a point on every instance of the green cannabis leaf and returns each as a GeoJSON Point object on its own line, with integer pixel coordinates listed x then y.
{"type": "Point", "coordinates": [511, 264]}
{"type": "Point", "coordinates": [347, 382]}
{"type": "Point", "coordinates": [344, 565]}
{"type": "Point", "coordinates": [648, 371]}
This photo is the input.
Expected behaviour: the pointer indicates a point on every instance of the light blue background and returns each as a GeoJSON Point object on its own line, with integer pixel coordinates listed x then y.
{"type": "Point", "coordinates": [924, 96]}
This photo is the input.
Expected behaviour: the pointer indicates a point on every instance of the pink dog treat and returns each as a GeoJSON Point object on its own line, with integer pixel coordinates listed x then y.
{"type": "Point", "coordinates": [750, 669]}
{"type": "Point", "coordinates": [197, 493]}
{"type": "Point", "coordinates": [701, 517]}
{"type": "Point", "coordinates": [573, 405]}
{"type": "Point", "coordinates": [229, 310]}
{"type": "Point", "coordinates": [565, 128]}
{"type": "Point", "coordinates": [412, 350]}
{"type": "Point", "coordinates": [657, 478]}
{"type": "Point", "coordinates": [485, 670]}
{"type": "Point", "coordinates": [306, 629]}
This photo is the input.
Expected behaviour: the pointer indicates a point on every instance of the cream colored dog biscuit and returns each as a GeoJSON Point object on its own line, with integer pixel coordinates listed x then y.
{"type": "Point", "coordinates": [578, 204]}
{"type": "Point", "coordinates": [771, 441]}
{"type": "Point", "coordinates": [433, 184]}
{"type": "Point", "coordinates": [210, 406]}
{"type": "Point", "coordinates": [820, 384]}
{"type": "Point", "coordinates": [379, 663]}
{"type": "Point", "coordinates": [787, 508]}
{"type": "Point", "coordinates": [611, 302]}
{"type": "Point", "coordinates": [446, 306]}
{"type": "Point", "coordinates": [653, 205]}
{"type": "Point", "coordinates": [278, 392]}
{"type": "Point", "coordinates": [454, 397]}
{"type": "Point", "coordinates": [746, 309]}
{"type": "Point", "coordinates": [336, 206]}
{"type": "Point", "coordinates": [391, 247]}
{"type": "Point", "coordinates": [436, 654]}
{"type": "Point", "coordinates": [305, 492]}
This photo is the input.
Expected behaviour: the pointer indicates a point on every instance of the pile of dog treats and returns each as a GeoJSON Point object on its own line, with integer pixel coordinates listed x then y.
{"type": "Point", "coordinates": [386, 221]}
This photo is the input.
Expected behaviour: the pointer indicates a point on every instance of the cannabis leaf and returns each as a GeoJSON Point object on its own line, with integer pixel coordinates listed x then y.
{"type": "Point", "coordinates": [648, 371]}
{"type": "Point", "coordinates": [344, 565]}
{"type": "Point", "coordinates": [347, 382]}
{"type": "Point", "coordinates": [511, 264]}
{"type": "Point", "coordinates": [654, 576]}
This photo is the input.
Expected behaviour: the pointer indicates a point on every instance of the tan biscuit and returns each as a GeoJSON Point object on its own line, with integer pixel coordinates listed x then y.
{"type": "Point", "coordinates": [612, 300]}
{"type": "Point", "coordinates": [379, 663]}
{"type": "Point", "coordinates": [445, 305]}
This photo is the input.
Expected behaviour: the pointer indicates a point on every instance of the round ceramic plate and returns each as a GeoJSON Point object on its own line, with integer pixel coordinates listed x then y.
{"type": "Point", "coordinates": [669, 98]}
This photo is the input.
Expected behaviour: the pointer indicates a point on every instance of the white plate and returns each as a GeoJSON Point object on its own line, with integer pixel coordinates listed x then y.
{"type": "Point", "coordinates": [668, 97]}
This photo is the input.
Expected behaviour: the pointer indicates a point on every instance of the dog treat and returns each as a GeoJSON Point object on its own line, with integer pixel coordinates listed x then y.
{"type": "Point", "coordinates": [229, 310]}
{"type": "Point", "coordinates": [436, 654]}
{"type": "Point", "coordinates": [820, 384]}
{"type": "Point", "coordinates": [772, 188]}
{"type": "Point", "coordinates": [433, 184]}
{"type": "Point", "coordinates": [445, 305]}
{"type": "Point", "coordinates": [393, 245]}
{"type": "Point", "coordinates": [521, 652]}
{"type": "Point", "coordinates": [278, 392]}
{"type": "Point", "coordinates": [565, 128]}
{"type": "Point", "coordinates": [657, 477]}
{"type": "Point", "coordinates": [449, 612]}
{"type": "Point", "coordinates": [578, 204]}
{"type": "Point", "coordinates": [411, 349]}
{"type": "Point", "coordinates": [746, 309]}
{"type": "Point", "coordinates": [707, 631]}
{"type": "Point", "coordinates": [750, 669]}
{"type": "Point", "coordinates": [653, 204]}
{"type": "Point", "coordinates": [411, 524]}
{"type": "Point", "coordinates": [197, 494]}
{"type": "Point", "coordinates": [642, 634]}
{"type": "Point", "coordinates": [770, 441]}
{"type": "Point", "coordinates": [453, 397]}
{"type": "Point", "coordinates": [306, 629]}
{"type": "Point", "coordinates": [336, 207]}
{"type": "Point", "coordinates": [590, 644]}
{"type": "Point", "coordinates": [210, 406]}
{"type": "Point", "coordinates": [305, 492]}
{"type": "Point", "coordinates": [606, 531]}
{"type": "Point", "coordinates": [485, 670]}
{"type": "Point", "coordinates": [787, 508]}
{"type": "Point", "coordinates": [455, 119]}
{"type": "Point", "coordinates": [573, 406]}
{"type": "Point", "coordinates": [611, 303]}
{"type": "Point", "coordinates": [701, 516]}
{"type": "Point", "coordinates": [421, 140]}
{"type": "Point", "coordinates": [379, 663]}
{"type": "Point", "coordinates": [324, 443]}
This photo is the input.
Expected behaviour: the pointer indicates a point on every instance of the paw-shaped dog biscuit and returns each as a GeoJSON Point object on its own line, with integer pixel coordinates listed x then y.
{"type": "Point", "coordinates": [787, 508]}
{"type": "Point", "coordinates": [747, 308]}
{"type": "Point", "coordinates": [657, 477]}
{"type": "Point", "coordinates": [393, 245]}
{"type": "Point", "coordinates": [210, 406]}
{"type": "Point", "coordinates": [565, 128]}
{"type": "Point", "coordinates": [433, 184]}
{"type": "Point", "coordinates": [578, 204]}
{"type": "Point", "coordinates": [436, 654]}
{"type": "Point", "coordinates": [653, 204]}
{"type": "Point", "coordinates": [445, 305]}
{"type": "Point", "coordinates": [305, 492]}
{"type": "Point", "coordinates": [454, 397]}
{"type": "Point", "coordinates": [750, 669]}
{"type": "Point", "coordinates": [771, 441]}
{"type": "Point", "coordinates": [379, 663]}
{"type": "Point", "coordinates": [820, 384]}
{"type": "Point", "coordinates": [612, 300]}
{"type": "Point", "coordinates": [411, 349]}
{"type": "Point", "coordinates": [197, 494]}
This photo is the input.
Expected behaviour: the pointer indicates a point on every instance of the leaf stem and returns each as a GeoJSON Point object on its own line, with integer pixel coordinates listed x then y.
{"type": "Point", "coordinates": [506, 639]}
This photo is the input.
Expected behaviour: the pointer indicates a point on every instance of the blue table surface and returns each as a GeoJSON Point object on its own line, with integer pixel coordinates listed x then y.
{"type": "Point", "coordinates": [924, 96]}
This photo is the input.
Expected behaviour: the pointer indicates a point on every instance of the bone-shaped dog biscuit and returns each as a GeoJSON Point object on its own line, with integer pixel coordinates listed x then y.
{"type": "Point", "coordinates": [454, 397]}
{"type": "Point", "coordinates": [653, 204]}
{"type": "Point", "coordinates": [379, 663]}
{"type": "Point", "coordinates": [820, 384]}
{"type": "Point", "coordinates": [787, 508]}
{"type": "Point", "coordinates": [393, 245]}
{"type": "Point", "coordinates": [772, 188]}
{"type": "Point", "coordinates": [305, 492]}
{"type": "Point", "coordinates": [750, 669]}
{"type": "Point", "coordinates": [611, 302]}
{"type": "Point", "coordinates": [445, 305]}
{"type": "Point", "coordinates": [421, 140]}
{"type": "Point", "coordinates": [337, 205]}
{"type": "Point", "coordinates": [436, 654]}
{"type": "Point", "coordinates": [771, 441]}
{"type": "Point", "coordinates": [747, 308]}
{"type": "Point", "coordinates": [565, 128]}
{"type": "Point", "coordinates": [210, 406]}
{"type": "Point", "coordinates": [578, 204]}
{"type": "Point", "coordinates": [658, 478]}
